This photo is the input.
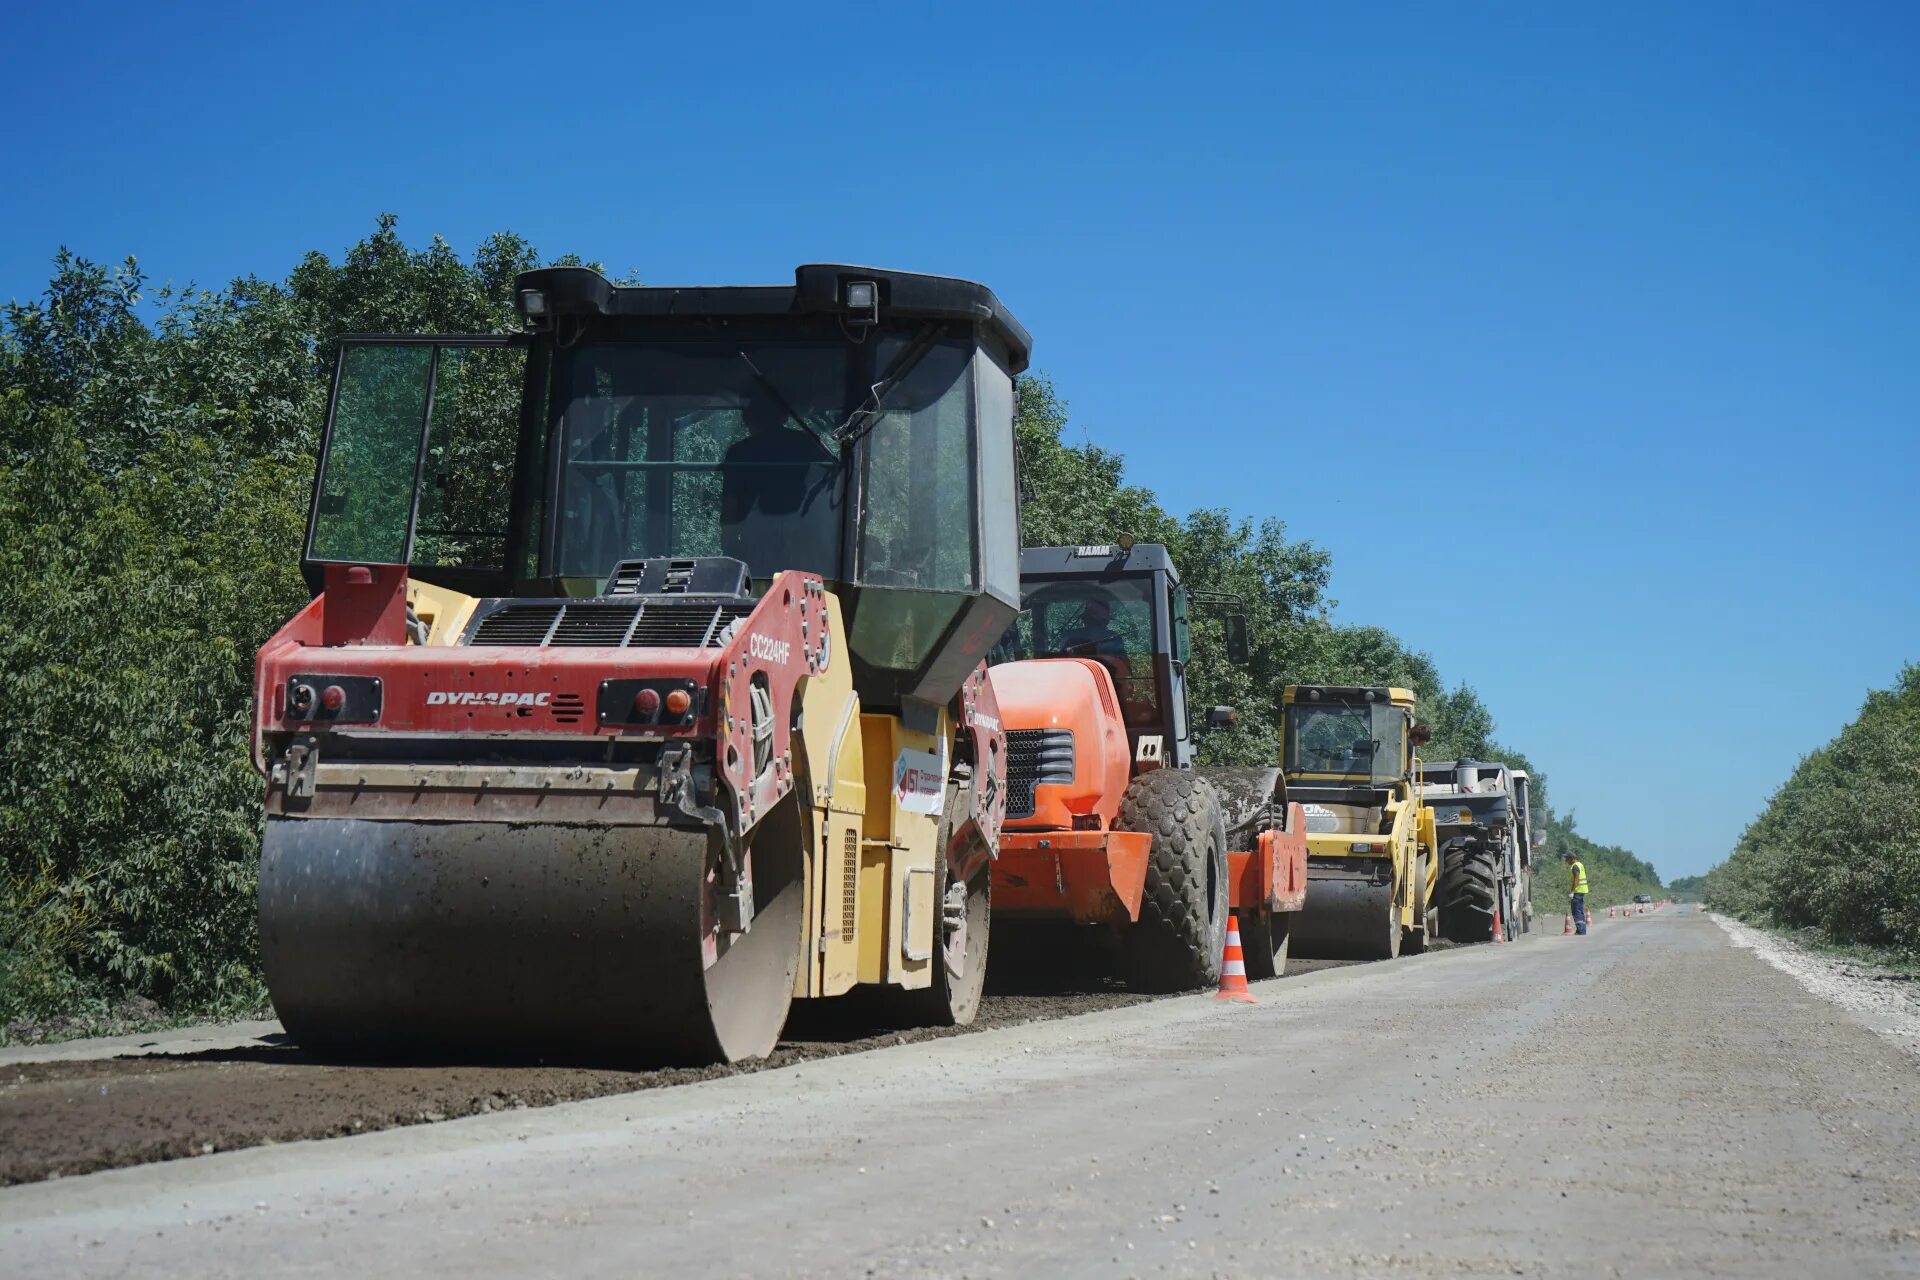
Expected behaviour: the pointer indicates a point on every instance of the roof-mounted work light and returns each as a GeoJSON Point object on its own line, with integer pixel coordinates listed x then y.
{"type": "Point", "coordinates": [533, 303]}
{"type": "Point", "coordinates": [863, 302]}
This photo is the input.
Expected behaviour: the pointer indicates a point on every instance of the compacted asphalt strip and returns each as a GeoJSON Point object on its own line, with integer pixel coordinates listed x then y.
{"type": "Point", "coordinates": [1650, 1100]}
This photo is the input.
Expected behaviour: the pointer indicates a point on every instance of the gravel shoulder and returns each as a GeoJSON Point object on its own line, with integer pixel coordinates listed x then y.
{"type": "Point", "coordinates": [1887, 1002]}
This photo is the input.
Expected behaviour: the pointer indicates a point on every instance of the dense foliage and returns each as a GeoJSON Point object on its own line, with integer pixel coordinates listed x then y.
{"type": "Point", "coordinates": [1614, 875]}
{"type": "Point", "coordinates": [1687, 888]}
{"type": "Point", "coordinates": [156, 458]}
{"type": "Point", "coordinates": [1837, 848]}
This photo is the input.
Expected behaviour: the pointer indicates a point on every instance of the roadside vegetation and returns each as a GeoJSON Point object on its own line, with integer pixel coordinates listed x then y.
{"type": "Point", "coordinates": [156, 457]}
{"type": "Point", "coordinates": [1687, 888]}
{"type": "Point", "coordinates": [1835, 856]}
{"type": "Point", "coordinates": [1614, 874]}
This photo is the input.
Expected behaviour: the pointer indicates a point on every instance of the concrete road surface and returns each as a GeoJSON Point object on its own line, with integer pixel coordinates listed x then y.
{"type": "Point", "coordinates": [1649, 1101]}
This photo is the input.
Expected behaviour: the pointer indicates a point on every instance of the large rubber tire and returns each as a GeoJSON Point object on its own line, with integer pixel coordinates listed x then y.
{"type": "Point", "coordinates": [1177, 943]}
{"type": "Point", "coordinates": [951, 1001]}
{"type": "Point", "coordinates": [1414, 941]}
{"type": "Point", "coordinates": [1469, 887]}
{"type": "Point", "coordinates": [1265, 937]}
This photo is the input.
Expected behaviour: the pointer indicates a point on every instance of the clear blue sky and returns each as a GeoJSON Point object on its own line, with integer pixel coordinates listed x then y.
{"type": "Point", "coordinates": [1584, 337]}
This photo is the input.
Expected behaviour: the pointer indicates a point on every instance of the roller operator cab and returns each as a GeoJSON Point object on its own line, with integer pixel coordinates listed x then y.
{"type": "Point", "coordinates": [643, 686]}
{"type": "Point", "coordinates": [1349, 757]}
{"type": "Point", "coordinates": [1109, 825]}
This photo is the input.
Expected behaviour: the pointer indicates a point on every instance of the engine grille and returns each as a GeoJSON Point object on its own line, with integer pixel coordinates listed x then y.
{"type": "Point", "coordinates": [1035, 757]}
{"type": "Point", "coordinates": [517, 624]}
{"type": "Point", "coordinates": [606, 625]}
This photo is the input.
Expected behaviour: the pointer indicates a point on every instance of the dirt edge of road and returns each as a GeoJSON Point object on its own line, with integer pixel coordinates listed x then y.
{"type": "Point", "coordinates": [75, 1116]}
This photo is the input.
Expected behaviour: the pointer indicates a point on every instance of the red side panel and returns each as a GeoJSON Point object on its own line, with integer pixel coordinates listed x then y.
{"type": "Point", "coordinates": [978, 839]}
{"type": "Point", "coordinates": [784, 639]}
{"type": "Point", "coordinates": [365, 604]}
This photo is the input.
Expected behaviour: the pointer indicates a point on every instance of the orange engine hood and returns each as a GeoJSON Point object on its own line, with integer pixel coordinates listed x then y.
{"type": "Point", "coordinates": [1074, 694]}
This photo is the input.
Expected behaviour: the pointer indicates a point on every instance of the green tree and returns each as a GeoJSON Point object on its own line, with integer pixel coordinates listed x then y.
{"type": "Point", "coordinates": [154, 475]}
{"type": "Point", "coordinates": [1837, 849]}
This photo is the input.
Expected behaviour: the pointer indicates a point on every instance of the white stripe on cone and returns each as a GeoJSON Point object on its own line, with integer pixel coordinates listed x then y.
{"type": "Point", "coordinates": [1234, 969]}
{"type": "Point", "coordinates": [1233, 937]}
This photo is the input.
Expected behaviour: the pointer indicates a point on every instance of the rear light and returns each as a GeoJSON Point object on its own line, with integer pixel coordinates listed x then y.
{"type": "Point", "coordinates": [319, 697]}
{"type": "Point", "coordinates": [639, 704]}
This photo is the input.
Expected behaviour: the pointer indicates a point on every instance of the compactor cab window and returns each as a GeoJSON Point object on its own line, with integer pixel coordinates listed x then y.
{"type": "Point", "coordinates": [701, 449]}
{"type": "Point", "coordinates": [1110, 622]}
{"type": "Point", "coordinates": [434, 417]}
{"type": "Point", "coordinates": [1346, 740]}
{"type": "Point", "coordinates": [919, 528]}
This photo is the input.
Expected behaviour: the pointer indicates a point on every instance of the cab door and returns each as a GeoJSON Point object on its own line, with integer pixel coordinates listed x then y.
{"type": "Point", "coordinates": [423, 461]}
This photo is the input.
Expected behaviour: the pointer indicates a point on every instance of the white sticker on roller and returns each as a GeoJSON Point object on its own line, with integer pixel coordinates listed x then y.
{"type": "Point", "coordinates": [1320, 818]}
{"type": "Point", "coordinates": [919, 782]}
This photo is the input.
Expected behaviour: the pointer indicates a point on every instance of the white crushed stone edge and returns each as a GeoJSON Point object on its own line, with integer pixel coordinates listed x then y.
{"type": "Point", "coordinates": [1890, 1011]}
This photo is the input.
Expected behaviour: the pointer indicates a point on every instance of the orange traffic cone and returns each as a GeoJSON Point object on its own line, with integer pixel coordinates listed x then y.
{"type": "Point", "coordinates": [1233, 968]}
{"type": "Point", "coordinates": [1497, 935]}
{"type": "Point", "coordinates": [1609, 913]}
{"type": "Point", "coordinates": [1569, 926]}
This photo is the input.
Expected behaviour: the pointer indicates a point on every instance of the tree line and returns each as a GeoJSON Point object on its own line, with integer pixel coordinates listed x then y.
{"type": "Point", "coordinates": [1837, 849]}
{"type": "Point", "coordinates": [156, 456]}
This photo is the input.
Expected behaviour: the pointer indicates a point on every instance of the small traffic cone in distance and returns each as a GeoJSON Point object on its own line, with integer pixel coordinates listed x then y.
{"type": "Point", "coordinates": [1569, 926]}
{"type": "Point", "coordinates": [1498, 937]}
{"type": "Point", "coordinates": [1233, 966]}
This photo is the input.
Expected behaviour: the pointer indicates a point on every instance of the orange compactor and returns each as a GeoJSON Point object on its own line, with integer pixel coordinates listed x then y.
{"type": "Point", "coordinates": [1108, 823]}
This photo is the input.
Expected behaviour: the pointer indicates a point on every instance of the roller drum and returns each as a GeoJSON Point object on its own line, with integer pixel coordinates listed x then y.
{"type": "Point", "coordinates": [494, 939]}
{"type": "Point", "coordinates": [1346, 919]}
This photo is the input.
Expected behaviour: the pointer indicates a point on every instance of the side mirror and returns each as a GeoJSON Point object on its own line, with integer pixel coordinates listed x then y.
{"type": "Point", "coordinates": [1221, 717]}
{"type": "Point", "coordinates": [1236, 629]}
{"type": "Point", "coordinates": [1420, 735]}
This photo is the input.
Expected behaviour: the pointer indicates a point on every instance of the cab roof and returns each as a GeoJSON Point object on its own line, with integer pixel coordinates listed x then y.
{"type": "Point", "coordinates": [818, 288]}
{"type": "Point", "coordinates": [1347, 693]}
{"type": "Point", "coordinates": [1096, 560]}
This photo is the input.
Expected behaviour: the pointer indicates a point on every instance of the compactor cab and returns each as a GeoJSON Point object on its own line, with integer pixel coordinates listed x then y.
{"type": "Point", "coordinates": [643, 687]}
{"type": "Point", "coordinates": [1108, 823]}
{"type": "Point", "coordinates": [1349, 757]}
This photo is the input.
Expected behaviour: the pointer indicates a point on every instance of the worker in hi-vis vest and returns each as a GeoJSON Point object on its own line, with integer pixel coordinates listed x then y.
{"type": "Point", "coordinates": [1577, 891]}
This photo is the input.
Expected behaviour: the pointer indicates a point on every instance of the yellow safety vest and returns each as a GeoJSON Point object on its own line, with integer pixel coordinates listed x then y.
{"type": "Point", "coordinates": [1579, 873]}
